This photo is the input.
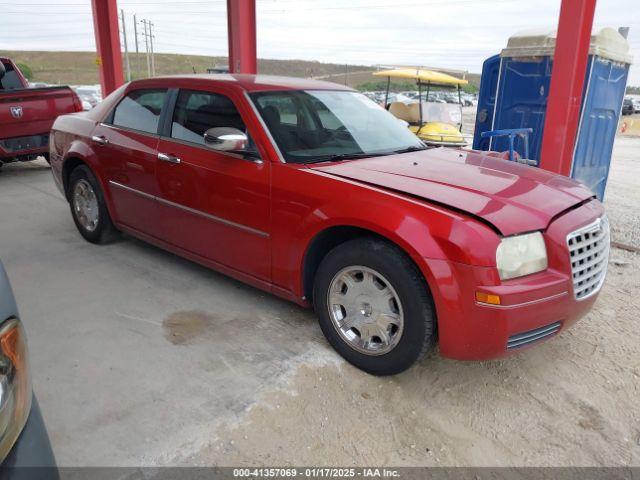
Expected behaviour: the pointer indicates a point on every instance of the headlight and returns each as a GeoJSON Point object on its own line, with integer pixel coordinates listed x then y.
{"type": "Point", "coordinates": [15, 384]}
{"type": "Point", "coordinates": [521, 255]}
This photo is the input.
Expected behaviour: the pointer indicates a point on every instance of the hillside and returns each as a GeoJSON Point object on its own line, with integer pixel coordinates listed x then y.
{"type": "Point", "coordinates": [80, 67]}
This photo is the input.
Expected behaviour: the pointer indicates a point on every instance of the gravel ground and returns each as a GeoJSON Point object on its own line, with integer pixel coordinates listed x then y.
{"type": "Point", "coordinates": [622, 197]}
{"type": "Point", "coordinates": [572, 401]}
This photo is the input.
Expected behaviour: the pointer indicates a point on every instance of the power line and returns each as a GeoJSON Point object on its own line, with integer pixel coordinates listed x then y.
{"type": "Point", "coordinates": [299, 7]}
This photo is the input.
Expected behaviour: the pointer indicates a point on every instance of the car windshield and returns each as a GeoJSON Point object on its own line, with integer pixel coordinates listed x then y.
{"type": "Point", "coordinates": [320, 125]}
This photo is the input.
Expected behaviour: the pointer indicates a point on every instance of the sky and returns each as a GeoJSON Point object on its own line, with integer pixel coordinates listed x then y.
{"type": "Point", "coordinates": [456, 34]}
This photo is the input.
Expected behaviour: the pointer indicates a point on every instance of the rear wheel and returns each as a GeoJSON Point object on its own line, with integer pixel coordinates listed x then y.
{"type": "Point", "coordinates": [88, 207]}
{"type": "Point", "coordinates": [374, 306]}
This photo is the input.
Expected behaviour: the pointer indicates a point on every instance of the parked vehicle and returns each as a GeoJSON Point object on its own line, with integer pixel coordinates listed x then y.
{"type": "Point", "coordinates": [24, 441]}
{"type": "Point", "coordinates": [92, 91]}
{"type": "Point", "coordinates": [88, 100]}
{"type": "Point", "coordinates": [432, 121]}
{"type": "Point", "coordinates": [636, 104]}
{"type": "Point", "coordinates": [627, 106]}
{"type": "Point", "coordinates": [38, 85]}
{"type": "Point", "coordinates": [26, 114]}
{"type": "Point", "coordinates": [399, 97]}
{"type": "Point", "coordinates": [89, 94]}
{"type": "Point", "coordinates": [313, 192]}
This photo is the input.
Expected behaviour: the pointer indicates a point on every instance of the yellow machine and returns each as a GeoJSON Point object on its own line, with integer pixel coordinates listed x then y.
{"type": "Point", "coordinates": [434, 123]}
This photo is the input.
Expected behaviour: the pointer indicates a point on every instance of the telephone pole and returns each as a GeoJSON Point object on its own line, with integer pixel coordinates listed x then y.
{"type": "Point", "coordinates": [126, 47]}
{"type": "Point", "coordinates": [146, 44]}
{"type": "Point", "coordinates": [153, 57]}
{"type": "Point", "coordinates": [135, 34]}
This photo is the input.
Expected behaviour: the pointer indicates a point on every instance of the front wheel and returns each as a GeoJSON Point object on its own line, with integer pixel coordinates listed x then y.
{"type": "Point", "coordinates": [374, 306]}
{"type": "Point", "coordinates": [88, 207]}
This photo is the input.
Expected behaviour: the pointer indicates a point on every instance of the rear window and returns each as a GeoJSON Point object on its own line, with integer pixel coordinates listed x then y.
{"type": "Point", "coordinates": [11, 79]}
{"type": "Point", "coordinates": [140, 110]}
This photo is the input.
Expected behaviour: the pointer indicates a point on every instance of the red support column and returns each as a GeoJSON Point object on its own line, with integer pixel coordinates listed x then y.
{"type": "Point", "coordinates": [109, 60]}
{"type": "Point", "coordinates": [567, 82]}
{"type": "Point", "coordinates": [241, 24]}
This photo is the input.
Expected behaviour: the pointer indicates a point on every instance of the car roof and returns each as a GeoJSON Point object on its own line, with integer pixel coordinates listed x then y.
{"type": "Point", "coordinates": [250, 83]}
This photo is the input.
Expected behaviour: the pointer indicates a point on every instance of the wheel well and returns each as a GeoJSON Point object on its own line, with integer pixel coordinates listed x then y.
{"type": "Point", "coordinates": [326, 241]}
{"type": "Point", "coordinates": [69, 165]}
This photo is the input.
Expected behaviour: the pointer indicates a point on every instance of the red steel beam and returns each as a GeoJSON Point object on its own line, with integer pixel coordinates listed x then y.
{"type": "Point", "coordinates": [241, 28]}
{"type": "Point", "coordinates": [109, 60]}
{"type": "Point", "coordinates": [567, 82]}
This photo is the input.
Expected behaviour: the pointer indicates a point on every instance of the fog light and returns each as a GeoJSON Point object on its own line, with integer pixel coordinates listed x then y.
{"type": "Point", "coordinates": [489, 298]}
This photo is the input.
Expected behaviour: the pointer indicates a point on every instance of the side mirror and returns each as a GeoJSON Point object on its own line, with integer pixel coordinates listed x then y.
{"type": "Point", "coordinates": [226, 139]}
{"type": "Point", "coordinates": [3, 70]}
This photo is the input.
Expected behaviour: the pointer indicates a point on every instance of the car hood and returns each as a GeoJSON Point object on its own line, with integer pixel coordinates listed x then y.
{"type": "Point", "coordinates": [513, 197]}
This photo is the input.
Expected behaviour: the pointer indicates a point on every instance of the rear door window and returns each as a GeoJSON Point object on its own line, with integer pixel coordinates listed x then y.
{"type": "Point", "coordinates": [140, 110]}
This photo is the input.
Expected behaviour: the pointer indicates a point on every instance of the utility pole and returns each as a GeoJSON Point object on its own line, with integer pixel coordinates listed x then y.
{"type": "Point", "coordinates": [153, 58]}
{"type": "Point", "coordinates": [126, 47]}
{"type": "Point", "coordinates": [135, 34]}
{"type": "Point", "coordinates": [146, 44]}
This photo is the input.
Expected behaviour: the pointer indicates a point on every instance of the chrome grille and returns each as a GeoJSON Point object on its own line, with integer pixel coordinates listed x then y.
{"type": "Point", "coordinates": [589, 252]}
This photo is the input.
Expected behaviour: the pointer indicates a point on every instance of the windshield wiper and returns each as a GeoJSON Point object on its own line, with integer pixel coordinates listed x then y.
{"type": "Point", "coordinates": [412, 148]}
{"type": "Point", "coordinates": [337, 157]}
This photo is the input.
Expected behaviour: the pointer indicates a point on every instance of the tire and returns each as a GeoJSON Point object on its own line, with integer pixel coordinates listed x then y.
{"type": "Point", "coordinates": [394, 276]}
{"type": "Point", "coordinates": [101, 229]}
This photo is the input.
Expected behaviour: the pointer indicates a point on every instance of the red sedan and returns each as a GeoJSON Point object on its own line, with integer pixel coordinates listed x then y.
{"type": "Point", "coordinates": [311, 191]}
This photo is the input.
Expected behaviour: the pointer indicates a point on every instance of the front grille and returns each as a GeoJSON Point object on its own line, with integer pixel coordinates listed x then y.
{"type": "Point", "coordinates": [589, 252]}
{"type": "Point", "coordinates": [525, 338]}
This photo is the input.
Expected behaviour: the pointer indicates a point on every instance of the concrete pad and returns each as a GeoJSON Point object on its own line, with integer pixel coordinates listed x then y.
{"type": "Point", "coordinates": [136, 353]}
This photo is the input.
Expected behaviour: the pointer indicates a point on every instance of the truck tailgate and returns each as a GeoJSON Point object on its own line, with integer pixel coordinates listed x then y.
{"type": "Point", "coordinates": [26, 117]}
{"type": "Point", "coordinates": [31, 111]}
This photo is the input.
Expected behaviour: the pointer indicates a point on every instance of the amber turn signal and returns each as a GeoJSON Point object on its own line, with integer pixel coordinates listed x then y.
{"type": "Point", "coordinates": [489, 298]}
{"type": "Point", "coordinates": [15, 384]}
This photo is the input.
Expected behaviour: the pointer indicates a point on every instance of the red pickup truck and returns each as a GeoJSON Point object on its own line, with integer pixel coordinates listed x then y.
{"type": "Point", "coordinates": [26, 114]}
{"type": "Point", "coordinates": [313, 192]}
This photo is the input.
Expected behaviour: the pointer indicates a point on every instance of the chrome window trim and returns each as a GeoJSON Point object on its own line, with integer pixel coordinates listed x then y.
{"type": "Point", "coordinates": [257, 161]}
{"type": "Point", "coordinates": [127, 129]}
{"type": "Point", "coordinates": [208, 216]}
{"type": "Point", "coordinates": [264, 126]}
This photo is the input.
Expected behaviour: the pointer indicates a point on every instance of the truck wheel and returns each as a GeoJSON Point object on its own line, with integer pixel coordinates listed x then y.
{"type": "Point", "coordinates": [88, 207]}
{"type": "Point", "coordinates": [374, 306]}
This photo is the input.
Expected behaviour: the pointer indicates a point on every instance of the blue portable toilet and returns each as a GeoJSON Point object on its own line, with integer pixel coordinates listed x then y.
{"type": "Point", "coordinates": [515, 87]}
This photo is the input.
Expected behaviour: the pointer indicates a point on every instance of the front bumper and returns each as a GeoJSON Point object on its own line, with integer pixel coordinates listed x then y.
{"type": "Point", "coordinates": [32, 449]}
{"type": "Point", "coordinates": [533, 308]}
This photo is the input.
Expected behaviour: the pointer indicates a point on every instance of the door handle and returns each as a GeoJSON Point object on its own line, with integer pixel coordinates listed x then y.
{"type": "Point", "coordinates": [100, 140]}
{"type": "Point", "coordinates": [168, 158]}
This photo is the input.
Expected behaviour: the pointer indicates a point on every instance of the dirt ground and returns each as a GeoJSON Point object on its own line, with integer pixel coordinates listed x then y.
{"type": "Point", "coordinates": [140, 357]}
{"type": "Point", "coordinates": [573, 401]}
